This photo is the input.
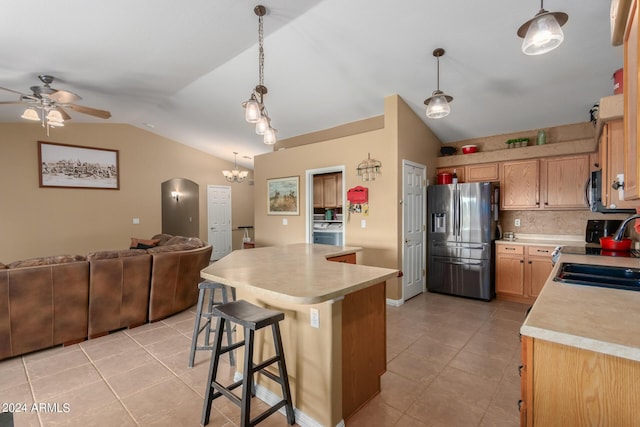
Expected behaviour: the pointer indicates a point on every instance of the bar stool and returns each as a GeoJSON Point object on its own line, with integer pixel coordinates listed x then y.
{"type": "Point", "coordinates": [251, 318]}
{"type": "Point", "coordinates": [208, 327]}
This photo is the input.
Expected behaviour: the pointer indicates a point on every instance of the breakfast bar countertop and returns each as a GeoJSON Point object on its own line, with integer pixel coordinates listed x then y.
{"type": "Point", "coordinates": [592, 318]}
{"type": "Point", "coordinates": [297, 273]}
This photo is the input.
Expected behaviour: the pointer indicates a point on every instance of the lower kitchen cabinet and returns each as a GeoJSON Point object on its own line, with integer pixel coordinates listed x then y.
{"type": "Point", "coordinates": [521, 271]}
{"type": "Point", "coordinates": [567, 386]}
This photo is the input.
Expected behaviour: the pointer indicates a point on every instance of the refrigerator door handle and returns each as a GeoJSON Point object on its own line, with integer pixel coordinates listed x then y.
{"type": "Point", "coordinates": [460, 263]}
{"type": "Point", "coordinates": [459, 213]}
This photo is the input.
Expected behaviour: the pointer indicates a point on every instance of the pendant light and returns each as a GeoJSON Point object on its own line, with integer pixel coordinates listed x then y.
{"type": "Point", "coordinates": [255, 111]}
{"type": "Point", "coordinates": [235, 174]}
{"type": "Point", "coordinates": [543, 32]}
{"type": "Point", "coordinates": [438, 104]}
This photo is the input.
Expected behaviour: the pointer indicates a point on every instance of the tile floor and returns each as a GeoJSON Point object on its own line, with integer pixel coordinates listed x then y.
{"type": "Point", "coordinates": [451, 362]}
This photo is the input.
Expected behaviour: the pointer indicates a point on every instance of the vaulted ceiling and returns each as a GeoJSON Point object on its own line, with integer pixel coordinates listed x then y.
{"type": "Point", "coordinates": [182, 69]}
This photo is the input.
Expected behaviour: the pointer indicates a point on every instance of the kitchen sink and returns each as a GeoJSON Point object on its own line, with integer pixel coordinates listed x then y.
{"type": "Point", "coordinates": [599, 275]}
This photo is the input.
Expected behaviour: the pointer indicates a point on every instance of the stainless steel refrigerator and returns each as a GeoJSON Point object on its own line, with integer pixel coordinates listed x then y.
{"type": "Point", "coordinates": [462, 227]}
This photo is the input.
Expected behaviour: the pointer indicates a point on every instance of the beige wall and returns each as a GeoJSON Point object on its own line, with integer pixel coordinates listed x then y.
{"type": "Point", "coordinates": [403, 134]}
{"type": "Point", "coordinates": [47, 221]}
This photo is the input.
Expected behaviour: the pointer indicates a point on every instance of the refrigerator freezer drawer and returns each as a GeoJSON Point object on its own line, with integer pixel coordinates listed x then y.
{"type": "Point", "coordinates": [461, 276]}
{"type": "Point", "coordinates": [460, 250]}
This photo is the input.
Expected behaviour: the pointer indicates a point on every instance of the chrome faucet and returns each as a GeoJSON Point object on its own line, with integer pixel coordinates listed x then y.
{"type": "Point", "coordinates": [620, 231]}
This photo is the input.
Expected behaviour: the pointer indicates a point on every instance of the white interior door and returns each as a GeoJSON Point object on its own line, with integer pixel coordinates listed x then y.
{"type": "Point", "coordinates": [414, 228]}
{"type": "Point", "coordinates": [219, 220]}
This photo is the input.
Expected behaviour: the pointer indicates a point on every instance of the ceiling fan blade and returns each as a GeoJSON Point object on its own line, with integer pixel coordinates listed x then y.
{"type": "Point", "coordinates": [90, 111]}
{"type": "Point", "coordinates": [14, 91]}
{"type": "Point", "coordinates": [64, 97]}
{"type": "Point", "coordinates": [64, 114]}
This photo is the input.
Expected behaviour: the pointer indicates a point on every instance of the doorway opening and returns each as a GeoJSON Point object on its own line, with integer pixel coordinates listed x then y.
{"type": "Point", "coordinates": [325, 205]}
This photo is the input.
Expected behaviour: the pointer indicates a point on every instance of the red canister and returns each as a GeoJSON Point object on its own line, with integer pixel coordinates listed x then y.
{"type": "Point", "coordinates": [444, 178]}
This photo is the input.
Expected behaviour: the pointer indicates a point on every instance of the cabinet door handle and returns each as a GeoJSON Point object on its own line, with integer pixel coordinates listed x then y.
{"type": "Point", "coordinates": [530, 262]}
{"type": "Point", "coordinates": [509, 249]}
{"type": "Point", "coordinates": [520, 405]}
{"type": "Point", "coordinates": [521, 261]}
{"type": "Point", "coordinates": [520, 370]}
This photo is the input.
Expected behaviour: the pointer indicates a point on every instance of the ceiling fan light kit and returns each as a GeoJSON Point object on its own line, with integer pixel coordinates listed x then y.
{"type": "Point", "coordinates": [438, 103]}
{"type": "Point", "coordinates": [52, 103]}
{"type": "Point", "coordinates": [255, 111]}
{"type": "Point", "coordinates": [543, 32]}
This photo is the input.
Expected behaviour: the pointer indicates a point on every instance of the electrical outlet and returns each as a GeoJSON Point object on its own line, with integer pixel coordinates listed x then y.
{"type": "Point", "coordinates": [315, 317]}
{"type": "Point", "coordinates": [284, 221]}
{"type": "Point", "coordinates": [517, 222]}
{"type": "Point", "coordinates": [136, 221]}
{"type": "Point", "coordinates": [363, 223]}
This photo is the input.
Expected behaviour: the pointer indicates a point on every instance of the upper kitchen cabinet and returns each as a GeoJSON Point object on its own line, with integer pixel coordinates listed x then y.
{"type": "Point", "coordinates": [553, 183]}
{"type": "Point", "coordinates": [612, 163]}
{"type": "Point", "coordinates": [327, 190]}
{"type": "Point", "coordinates": [520, 184]}
{"type": "Point", "coordinates": [630, 85]}
{"type": "Point", "coordinates": [484, 172]}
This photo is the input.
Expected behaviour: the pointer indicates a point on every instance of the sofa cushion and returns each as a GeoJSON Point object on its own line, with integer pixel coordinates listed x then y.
{"type": "Point", "coordinates": [163, 238]}
{"type": "Point", "coordinates": [137, 243]}
{"type": "Point", "coordinates": [2, 266]}
{"type": "Point", "coordinates": [120, 253]}
{"type": "Point", "coordinates": [174, 248]}
{"type": "Point", "coordinates": [49, 260]}
{"type": "Point", "coordinates": [176, 240]}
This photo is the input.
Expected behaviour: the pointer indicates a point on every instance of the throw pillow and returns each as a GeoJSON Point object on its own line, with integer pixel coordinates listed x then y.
{"type": "Point", "coordinates": [143, 243]}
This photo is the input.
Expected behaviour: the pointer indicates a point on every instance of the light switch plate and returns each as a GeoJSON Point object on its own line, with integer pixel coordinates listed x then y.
{"type": "Point", "coordinates": [363, 223]}
{"type": "Point", "coordinates": [136, 221]}
{"type": "Point", "coordinates": [284, 221]}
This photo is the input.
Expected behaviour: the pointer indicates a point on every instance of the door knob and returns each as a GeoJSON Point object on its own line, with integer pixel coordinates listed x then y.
{"type": "Point", "coordinates": [406, 240]}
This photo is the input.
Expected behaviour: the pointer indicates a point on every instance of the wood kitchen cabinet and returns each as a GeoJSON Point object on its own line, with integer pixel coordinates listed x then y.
{"type": "Point", "coordinates": [611, 151]}
{"type": "Point", "coordinates": [459, 172]}
{"type": "Point", "coordinates": [553, 183]}
{"type": "Point", "coordinates": [484, 172]}
{"type": "Point", "coordinates": [327, 190]}
{"type": "Point", "coordinates": [519, 184]}
{"type": "Point", "coordinates": [631, 87]}
{"type": "Point", "coordinates": [563, 385]}
{"type": "Point", "coordinates": [521, 271]}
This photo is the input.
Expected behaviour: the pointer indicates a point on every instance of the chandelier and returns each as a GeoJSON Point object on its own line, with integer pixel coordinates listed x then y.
{"type": "Point", "coordinates": [255, 111]}
{"type": "Point", "coordinates": [235, 175]}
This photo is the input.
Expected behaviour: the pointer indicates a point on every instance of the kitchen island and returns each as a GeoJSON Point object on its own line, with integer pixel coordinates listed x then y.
{"type": "Point", "coordinates": [334, 332]}
{"type": "Point", "coordinates": [581, 352]}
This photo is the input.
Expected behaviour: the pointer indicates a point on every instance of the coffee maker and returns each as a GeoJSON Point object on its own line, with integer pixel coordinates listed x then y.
{"type": "Point", "coordinates": [597, 228]}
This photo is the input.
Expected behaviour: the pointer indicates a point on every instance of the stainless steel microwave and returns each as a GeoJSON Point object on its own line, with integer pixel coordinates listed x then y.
{"type": "Point", "coordinates": [593, 195]}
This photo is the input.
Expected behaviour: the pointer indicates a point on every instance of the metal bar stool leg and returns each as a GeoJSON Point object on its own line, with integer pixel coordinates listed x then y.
{"type": "Point", "coordinates": [247, 380]}
{"type": "Point", "coordinates": [196, 329]}
{"type": "Point", "coordinates": [229, 328]}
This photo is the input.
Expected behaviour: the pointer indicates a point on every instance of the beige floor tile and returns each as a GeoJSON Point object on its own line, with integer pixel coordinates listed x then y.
{"type": "Point", "coordinates": [472, 389]}
{"type": "Point", "coordinates": [399, 392]}
{"type": "Point", "coordinates": [108, 415]}
{"type": "Point", "coordinates": [62, 361]}
{"type": "Point", "coordinates": [171, 345]}
{"type": "Point", "coordinates": [489, 345]}
{"type": "Point", "coordinates": [16, 399]}
{"type": "Point", "coordinates": [482, 365]}
{"type": "Point", "coordinates": [123, 362]}
{"type": "Point", "coordinates": [433, 350]}
{"type": "Point", "coordinates": [108, 345]}
{"type": "Point", "coordinates": [46, 388]}
{"type": "Point", "coordinates": [78, 402]}
{"type": "Point", "coordinates": [139, 378]}
{"type": "Point", "coordinates": [12, 374]}
{"type": "Point", "coordinates": [443, 410]}
{"type": "Point", "coordinates": [169, 402]}
{"type": "Point", "coordinates": [414, 367]}
{"type": "Point", "coordinates": [378, 413]}
{"type": "Point", "coordinates": [154, 335]}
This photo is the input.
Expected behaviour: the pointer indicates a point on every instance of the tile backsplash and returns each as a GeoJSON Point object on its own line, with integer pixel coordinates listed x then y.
{"type": "Point", "coordinates": [554, 222]}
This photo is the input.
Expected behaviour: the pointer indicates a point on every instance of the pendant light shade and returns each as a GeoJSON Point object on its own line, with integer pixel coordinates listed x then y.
{"type": "Point", "coordinates": [30, 114]}
{"type": "Point", "coordinates": [438, 103]}
{"type": "Point", "coordinates": [543, 32]}
{"type": "Point", "coordinates": [270, 137]}
{"type": "Point", "coordinates": [255, 110]}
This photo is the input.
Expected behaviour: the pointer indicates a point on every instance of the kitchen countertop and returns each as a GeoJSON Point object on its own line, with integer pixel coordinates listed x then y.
{"type": "Point", "coordinates": [592, 318]}
{"type": "Point", "coordinates": [297, 273]}
{"type": "Point", "coordinates": [546, 240]}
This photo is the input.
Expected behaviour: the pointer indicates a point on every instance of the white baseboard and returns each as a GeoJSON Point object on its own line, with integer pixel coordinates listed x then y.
{"type": "Point", "coordinates": [271, 398]}
{"type": "Point", "coordinates": [395, 302]}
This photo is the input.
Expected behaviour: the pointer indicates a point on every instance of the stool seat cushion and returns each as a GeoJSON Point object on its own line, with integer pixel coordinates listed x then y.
{"type": "Point", "coordinates": [248, 315]}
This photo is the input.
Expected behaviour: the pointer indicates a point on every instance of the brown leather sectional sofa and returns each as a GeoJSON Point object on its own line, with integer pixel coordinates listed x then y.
{"type": "Point", "coordinates": [49, 301]}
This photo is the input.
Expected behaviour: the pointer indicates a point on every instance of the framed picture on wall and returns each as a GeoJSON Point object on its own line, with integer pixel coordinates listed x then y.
{"type": "Point", "coordinates": [283, 196]}
{"type": "Point", "coordinates": [73, 166]}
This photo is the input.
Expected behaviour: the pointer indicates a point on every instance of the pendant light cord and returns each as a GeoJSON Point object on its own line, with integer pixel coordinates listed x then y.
{"type": "Point", "coordinates": [260, 54]}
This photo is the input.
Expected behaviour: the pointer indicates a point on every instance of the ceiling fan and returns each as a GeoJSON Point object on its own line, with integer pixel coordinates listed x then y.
{"type": "Point", "coordinates": [52, 103]}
